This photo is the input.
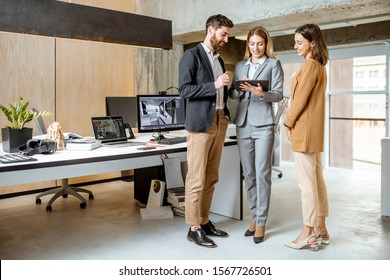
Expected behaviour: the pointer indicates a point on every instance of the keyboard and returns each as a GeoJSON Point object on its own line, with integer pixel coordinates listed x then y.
{"type": "Point", "coordinates": [173, 140]}
{"type": "Point", "coordinates": [14, 158]}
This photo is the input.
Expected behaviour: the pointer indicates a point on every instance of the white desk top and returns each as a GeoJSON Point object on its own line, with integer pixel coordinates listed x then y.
{"type": "Point", "coordinates": [67, 164]}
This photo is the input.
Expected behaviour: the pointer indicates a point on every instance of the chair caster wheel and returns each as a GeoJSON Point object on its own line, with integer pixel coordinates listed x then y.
{"type": "Point", "coordinates": [38, 201]}
{"type": "Point", "coordinates": [48, 208]}
{"type": "Point", "coordinates": [83, 205]}
{"type": "Point", "coordinates": [91, 197]}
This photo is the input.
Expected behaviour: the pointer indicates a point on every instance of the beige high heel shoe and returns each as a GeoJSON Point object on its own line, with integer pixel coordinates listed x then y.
{"type": "Point", "coordinates": [321, 237]}
{"type": "Point", "coordinates": [313, 246]}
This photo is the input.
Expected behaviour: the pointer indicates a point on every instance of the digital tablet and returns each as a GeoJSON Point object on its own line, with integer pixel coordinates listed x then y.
{"type": "Point", "coordinates": [264, 83]}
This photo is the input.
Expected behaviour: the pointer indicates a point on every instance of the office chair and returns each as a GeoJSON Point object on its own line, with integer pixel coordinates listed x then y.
{"type": "Point", "coordinates": [65, 189]}
{"type": "Point", "coordinates": [281, 106]}
{"type": "Point", "coordinates": [39, 122]}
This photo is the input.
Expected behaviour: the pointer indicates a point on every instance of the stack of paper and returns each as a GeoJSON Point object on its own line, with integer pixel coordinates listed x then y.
{"type": "Point", "coordinates": [176, 197]}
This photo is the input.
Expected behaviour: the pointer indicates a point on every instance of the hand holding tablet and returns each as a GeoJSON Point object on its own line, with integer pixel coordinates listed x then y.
{"type": "Point", "coordinates": [264, 84]}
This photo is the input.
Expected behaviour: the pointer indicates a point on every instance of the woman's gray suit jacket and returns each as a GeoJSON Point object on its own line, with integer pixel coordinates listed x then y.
{"type": "Point", "coordinates": [259, 110]}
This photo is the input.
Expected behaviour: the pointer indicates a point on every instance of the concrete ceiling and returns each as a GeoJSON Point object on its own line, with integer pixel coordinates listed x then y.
{"type": "Point", "coordinates": [347, 14]}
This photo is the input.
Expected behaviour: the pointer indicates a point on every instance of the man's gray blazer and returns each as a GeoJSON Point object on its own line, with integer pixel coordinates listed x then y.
{"type": "Point", "coordinates": [196, 85]}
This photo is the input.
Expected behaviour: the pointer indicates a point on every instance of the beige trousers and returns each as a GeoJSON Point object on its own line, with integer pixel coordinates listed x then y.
{"type": "Point", "coordinates": [311, 182]}
{"type": "Point", "coordinates": [204, 152]}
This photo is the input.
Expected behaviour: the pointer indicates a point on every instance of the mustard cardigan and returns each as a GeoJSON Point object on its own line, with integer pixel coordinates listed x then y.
{"type": "Point", "coordinates": [306, 117]}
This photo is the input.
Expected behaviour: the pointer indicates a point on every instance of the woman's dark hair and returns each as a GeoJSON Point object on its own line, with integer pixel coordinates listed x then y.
{"type": "Point", "coordinates": [313, 34]}
{"type": "Point", "coordinates": [217, 21]}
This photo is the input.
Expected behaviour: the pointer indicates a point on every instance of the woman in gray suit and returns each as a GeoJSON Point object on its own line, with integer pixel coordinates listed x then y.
{"type": "Point", "coordinates": [255, 120]}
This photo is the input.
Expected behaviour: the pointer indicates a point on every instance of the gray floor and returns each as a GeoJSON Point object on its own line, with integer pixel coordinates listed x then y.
{"type": "Point", "coordinates": [110, 227]}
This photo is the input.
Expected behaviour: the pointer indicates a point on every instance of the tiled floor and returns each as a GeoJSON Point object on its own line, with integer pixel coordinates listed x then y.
{"type": "Point", "coordinates": [110, 227]}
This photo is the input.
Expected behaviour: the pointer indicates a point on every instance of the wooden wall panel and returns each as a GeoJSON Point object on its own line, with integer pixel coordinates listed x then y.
{"type": "Point", "coordinates": [67, 77]}
{"type": "Point", "coordinates": [87, 72]}
{"type": "Point", "coordinates": [27, 70]}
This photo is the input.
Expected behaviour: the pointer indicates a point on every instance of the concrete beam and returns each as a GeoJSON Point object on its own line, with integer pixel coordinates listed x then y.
{"type": "Point", "coordinates": [361, 34]}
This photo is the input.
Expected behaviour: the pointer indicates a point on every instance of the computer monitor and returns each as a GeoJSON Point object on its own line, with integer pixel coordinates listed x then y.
{"type": "Point", "coordinates": [159, 113]}
{"type": "Point", "coordinates": [124, 106]}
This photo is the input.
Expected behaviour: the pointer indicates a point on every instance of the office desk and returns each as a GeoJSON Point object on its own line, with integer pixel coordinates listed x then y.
{"type": "Point", "coordinates": [67, 164]}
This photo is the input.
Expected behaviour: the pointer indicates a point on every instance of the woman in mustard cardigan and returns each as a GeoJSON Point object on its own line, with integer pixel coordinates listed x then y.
{"type": "Point", "coordinates": [305, 129]}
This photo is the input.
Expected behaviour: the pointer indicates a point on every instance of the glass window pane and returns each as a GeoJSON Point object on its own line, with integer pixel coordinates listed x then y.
{"type": "Point", "coordinates": [352, 142]}
{"type": "Point", "coordinates": [358, 74]}
{"type": "Point", "coordinates": [358, 106]}
{"type": "Point", "coordinates": [341, 75]}
{"type": "Point", "coordinates": [372, 71]}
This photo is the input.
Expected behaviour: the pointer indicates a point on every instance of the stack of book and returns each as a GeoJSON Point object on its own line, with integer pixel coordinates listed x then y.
{"type": "Point", "coordinates": [83, 144]}
{"type": "Point", "coordinates": [176, 197]}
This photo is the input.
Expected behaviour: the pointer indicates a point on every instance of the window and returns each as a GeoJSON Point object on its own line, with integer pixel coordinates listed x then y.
{"type": "Point", "coordinates": [357, 110]}
{"type": "Point", "coordinates": [357, 117]}
{"type": "Point", "coordinates": [374, 73]}
{"type": "Point", "coordinates": [359, 74]}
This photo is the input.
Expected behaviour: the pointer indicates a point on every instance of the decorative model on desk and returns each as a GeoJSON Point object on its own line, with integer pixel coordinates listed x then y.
{"type": "Point", "coordinates": [54, 132]}
{"type": "Point", "coordinates": [15, 135]}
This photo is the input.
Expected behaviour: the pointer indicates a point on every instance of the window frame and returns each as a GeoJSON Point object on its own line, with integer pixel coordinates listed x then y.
{"type": "Point", "coordinates": [346, 52]}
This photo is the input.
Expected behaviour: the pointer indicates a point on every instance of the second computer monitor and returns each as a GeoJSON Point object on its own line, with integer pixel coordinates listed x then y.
{"type": "Point", "coordinates": [125, 106]}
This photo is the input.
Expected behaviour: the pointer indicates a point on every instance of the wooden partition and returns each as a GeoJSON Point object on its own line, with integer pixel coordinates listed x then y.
{"type": "Point", "coordinates": [27, 69]}
{"type": "Point", "coordinates": [70, 78]}
{"type": "Point", "coordinates": [27, 66]}
{"type": "Point", "coordinates": [86, 73]}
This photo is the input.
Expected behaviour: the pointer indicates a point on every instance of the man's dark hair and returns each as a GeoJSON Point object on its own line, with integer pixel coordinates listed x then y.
{"type": "Point", "coordinates": [217, 21]}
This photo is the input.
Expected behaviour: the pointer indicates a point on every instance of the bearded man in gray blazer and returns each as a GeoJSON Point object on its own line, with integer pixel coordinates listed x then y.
{"type": "Point", "coordinates": [255, 120]}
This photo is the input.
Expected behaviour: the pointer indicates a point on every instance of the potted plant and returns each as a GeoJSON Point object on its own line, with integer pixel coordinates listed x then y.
{"type": "Point", "coordinates": [15, 135]}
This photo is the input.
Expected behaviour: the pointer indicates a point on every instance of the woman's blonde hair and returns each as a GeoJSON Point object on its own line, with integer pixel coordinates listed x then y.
{"type": "Point", "coordinates": [263, 33]}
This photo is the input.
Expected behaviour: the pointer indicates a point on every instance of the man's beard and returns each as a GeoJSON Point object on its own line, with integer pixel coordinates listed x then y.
{"type": "Point", "coordinates": [215, 43]}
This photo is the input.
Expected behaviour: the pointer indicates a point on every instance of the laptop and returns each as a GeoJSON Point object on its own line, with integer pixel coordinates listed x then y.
{"type": "Point", "coordinates": [111, 132]}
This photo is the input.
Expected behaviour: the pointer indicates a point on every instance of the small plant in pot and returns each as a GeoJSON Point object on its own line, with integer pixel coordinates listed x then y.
{"type": "Point", "coordinates": [15, 135]}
